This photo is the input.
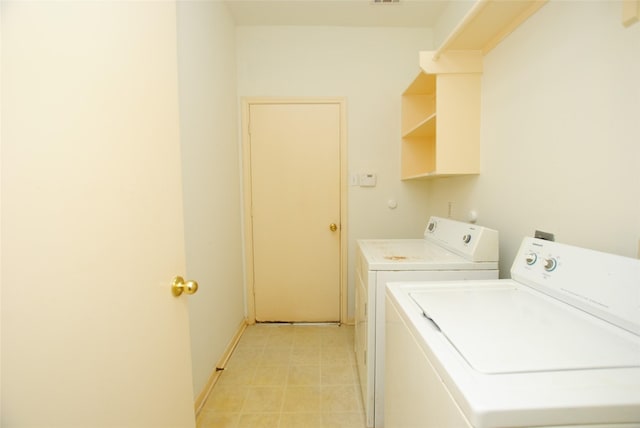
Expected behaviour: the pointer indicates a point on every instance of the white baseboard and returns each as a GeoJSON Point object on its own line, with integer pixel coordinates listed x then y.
{"type": "Point", "coordinates": [217, 371]}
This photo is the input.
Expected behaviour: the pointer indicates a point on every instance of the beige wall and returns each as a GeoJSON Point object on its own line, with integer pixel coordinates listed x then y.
{"type": "Point", "coordinates": [0, 211]}
{"type": "Point", "coordinates": [560, 134]}
{"type": "Point", "coordinates": [370, 67]}
{"type": "Point", "coordinates": [211, 180]}
{"type": "Point", "coordinates": [450, 19]}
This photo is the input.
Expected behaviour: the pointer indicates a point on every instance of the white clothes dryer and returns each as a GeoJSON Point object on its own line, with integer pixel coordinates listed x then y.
{"type": "Point", "coordinates": [450, 250]}
{"type": "Point", "coordinates": [557, 345]}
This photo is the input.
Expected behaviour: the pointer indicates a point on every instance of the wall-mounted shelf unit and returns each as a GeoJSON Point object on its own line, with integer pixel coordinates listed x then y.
{"type": "Point", "coordinates": [487, 23]}
{"type": "Point", "coordinates": [441, 107]}
{"type": "Point", "coordinates": [630, 12]}
{"type": "Point", "coordinates": [441, 124]}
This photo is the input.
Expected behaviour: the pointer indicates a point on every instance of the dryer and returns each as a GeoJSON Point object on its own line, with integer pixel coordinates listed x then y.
{"type": "Point", "coordinates": [557, 345]}
{"type": "Point", "coordinates": [449, 250]}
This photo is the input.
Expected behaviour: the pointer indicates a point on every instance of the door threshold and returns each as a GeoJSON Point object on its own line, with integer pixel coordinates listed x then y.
{"type": "Point", "coordinates": [328, 323]}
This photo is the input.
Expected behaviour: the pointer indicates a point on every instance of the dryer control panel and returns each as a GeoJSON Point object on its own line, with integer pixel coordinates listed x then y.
{"type": "Point", "coordinates": [473, 242]}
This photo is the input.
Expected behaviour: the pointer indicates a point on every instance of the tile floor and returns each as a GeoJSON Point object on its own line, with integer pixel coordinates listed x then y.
{"type": "Point", "coordinates": [299, 376]}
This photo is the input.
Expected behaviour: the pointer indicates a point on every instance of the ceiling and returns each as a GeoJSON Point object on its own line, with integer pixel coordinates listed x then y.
{"type": "Point", "coordinates": [347, 13]}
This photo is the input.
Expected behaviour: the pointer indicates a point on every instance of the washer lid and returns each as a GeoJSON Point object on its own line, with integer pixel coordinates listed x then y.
{"type": "Point", "coordinates": [514, 329]}
{"type": "Point", "coordinates": [415, 254]}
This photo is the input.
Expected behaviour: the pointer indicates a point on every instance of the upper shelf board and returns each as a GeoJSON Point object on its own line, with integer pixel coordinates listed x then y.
{"type": "Point", "coordinates": [487, 23]}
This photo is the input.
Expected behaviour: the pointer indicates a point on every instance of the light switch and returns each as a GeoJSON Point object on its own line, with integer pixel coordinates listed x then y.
{"type": "Point", "coordinates": [367, 179]}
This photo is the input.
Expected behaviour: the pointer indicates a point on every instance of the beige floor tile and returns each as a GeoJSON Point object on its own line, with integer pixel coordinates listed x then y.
{"type": "Point", "coordinates": [301, 355]}
{"type": "Point", "coordinates": [341, 337]}
{"type": "Point", "coordinates": [271, 376]}
{"type": "Point", "coordinates": [245, 357]}
{"type": "Point", "coordinates": [301, 420]}
{"type": "Point", "coordinates": [275, 356]}
{"type": "Point", "coordinates": [257, 343]}
{"type": "Point", "coordinates": [338, 374]}
{"type": "Point", "coordinates": [301, 399]}
{"type": "Point", "coordinates": [257, 330]}
{"type": "Point", "coordinates": [339, 398]}
{"type": "Point", "coordinates": [334, 355]}
{"type": "Point", "coordinates": [217, 420]}
{"type": "Point", "coordinates": [304, 375]}
{"type": "Point", "coordinates": [307, 336]}
{"type": "Point", "coordinates": [259, 420]}
{"type": "Point", "coordinates": [343, 420]}
{"type": "Point", "coordinates": [237, 376]}
{"type": "Point", "coordinates": [226, 399]}
{"type": "Point", "coordinates": [262, 399]}
{"type": "Point", "coordinates": [280, 376]}
{"type": "Point", "coordinates": [280, 339]}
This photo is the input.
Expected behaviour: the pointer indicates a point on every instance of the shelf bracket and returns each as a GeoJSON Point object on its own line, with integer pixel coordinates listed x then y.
{"type": "Point", "coordinates": [451, 62]}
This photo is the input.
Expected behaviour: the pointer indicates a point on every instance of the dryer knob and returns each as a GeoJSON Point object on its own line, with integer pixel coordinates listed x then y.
{"type": "Point", "coordinates": [466, 238]}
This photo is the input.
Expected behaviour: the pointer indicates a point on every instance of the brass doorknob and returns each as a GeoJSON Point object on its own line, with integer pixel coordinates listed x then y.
{"type": "Point", "coordinates": [333, 227]}
{"type": "Point", "coordinates": [179, 286]}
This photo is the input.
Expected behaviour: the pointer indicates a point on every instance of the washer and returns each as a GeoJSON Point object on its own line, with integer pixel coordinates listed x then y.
{"type": "Point", "coordinates": [557, 345]}
{"type": "Point", "coordinates": [450, 250]}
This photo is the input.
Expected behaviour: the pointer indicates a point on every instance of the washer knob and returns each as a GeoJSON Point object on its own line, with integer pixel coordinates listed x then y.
{"type": "Point", "coordinates": [466, 238]}
{"type": "Point", "coordinates": [431, 226]}
{"type": "Point", "coordinates": [531, 258]}
{"type": "Point", "coordinates": [550, 264]}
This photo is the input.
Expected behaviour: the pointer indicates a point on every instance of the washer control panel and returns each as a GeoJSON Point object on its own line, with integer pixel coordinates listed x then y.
{"type": "Point", "coordinates": [600, 283]}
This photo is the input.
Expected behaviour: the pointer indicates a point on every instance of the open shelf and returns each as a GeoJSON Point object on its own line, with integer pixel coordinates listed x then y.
{"type": "Point", "coordinates": [487, 23]}
{"type": "Point", "coordinates": [441, 107]}
{"type": "Point", "coordinates": [424, 128]}
{"type": "Point", "coordinates": [441, 125]}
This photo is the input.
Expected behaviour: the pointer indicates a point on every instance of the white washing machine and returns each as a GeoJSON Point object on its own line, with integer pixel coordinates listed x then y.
{"type": "Point", "coordinates": [558, 345]}
{"type": "Point", "coordinates": [450, 250]}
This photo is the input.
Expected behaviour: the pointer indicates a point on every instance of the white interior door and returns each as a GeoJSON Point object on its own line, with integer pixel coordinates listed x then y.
{"type": "Point", "coordinates": [92, 228]}
{"type": "Point", "coordinates": [295, 199]}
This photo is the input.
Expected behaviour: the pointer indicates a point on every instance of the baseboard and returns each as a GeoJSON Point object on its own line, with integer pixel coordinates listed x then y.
{"type": "Point", "coordinates": [217, 371]}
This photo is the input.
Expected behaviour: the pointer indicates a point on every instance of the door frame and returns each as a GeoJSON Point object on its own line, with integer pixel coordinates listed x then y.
{"type": "Point", "coordinates": [247, 196]}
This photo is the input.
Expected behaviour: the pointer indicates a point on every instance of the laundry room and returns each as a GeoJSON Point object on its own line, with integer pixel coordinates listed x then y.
{"type": "Point", "coordinates": [558, 151]}
{"type": "Point", "coordinates": [558, 134]}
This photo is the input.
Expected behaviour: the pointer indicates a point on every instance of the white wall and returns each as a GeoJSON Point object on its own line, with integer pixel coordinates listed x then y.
{"type": "Point", "coordinates": [560, 133]}
{"type": "Point", "coordinates": [370, 67]}
{"type": "Point", "coordinates": [211, 180]}
{"type": "Point", "coordinates": [0, 214]}
{"type": "Point", "coordinates": [450, 19]}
